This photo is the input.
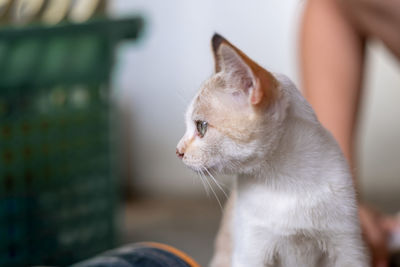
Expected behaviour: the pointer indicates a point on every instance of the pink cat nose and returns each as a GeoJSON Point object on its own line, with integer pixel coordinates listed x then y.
{"type": "Point", "coordinates": [179, 154]}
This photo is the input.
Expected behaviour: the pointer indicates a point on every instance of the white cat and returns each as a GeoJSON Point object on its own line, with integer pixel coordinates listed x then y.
{"type": "Point", "coordinates": [293, 202]}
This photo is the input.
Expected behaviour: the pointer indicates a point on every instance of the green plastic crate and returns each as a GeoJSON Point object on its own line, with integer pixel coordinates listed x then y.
{"type": "Point", "coordinates": [57, 184]}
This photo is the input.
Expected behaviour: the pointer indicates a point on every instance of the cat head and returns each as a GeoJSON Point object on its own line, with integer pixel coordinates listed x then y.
{"type": "Point", "coordinates": [233, 122]}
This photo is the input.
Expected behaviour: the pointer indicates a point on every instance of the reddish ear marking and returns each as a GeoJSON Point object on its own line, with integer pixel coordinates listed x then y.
{"type": "Point", "coordinates": [256, 94]}
{"type": "Point", "coordinates": [265, 89]}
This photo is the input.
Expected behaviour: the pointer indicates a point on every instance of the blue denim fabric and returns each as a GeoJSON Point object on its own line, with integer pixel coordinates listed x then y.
{"type": "Point", "coordinates": [135, 256]}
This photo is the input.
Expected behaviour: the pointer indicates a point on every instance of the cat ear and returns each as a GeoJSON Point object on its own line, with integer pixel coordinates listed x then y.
{"type": "Point", "coordinates": [255, 81]}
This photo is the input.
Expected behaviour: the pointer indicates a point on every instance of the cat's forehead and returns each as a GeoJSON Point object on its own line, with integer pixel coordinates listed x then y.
{"type": "Point", "coordinates": [214, 82]}
{"type": "Point", "coordinates": [215, 104]}
{"type": "Point", "coordinates": [206, 99]}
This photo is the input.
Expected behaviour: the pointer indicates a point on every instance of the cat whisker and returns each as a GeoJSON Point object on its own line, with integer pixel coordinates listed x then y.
{"type": "Point", "coordinates": [212, 189]}
{"type": "Point", "coordinates": [216, 182]}
{"type": "Point", "coordinates": [224, 186]}
{"type": "Point", "coordinates": [204, 185]}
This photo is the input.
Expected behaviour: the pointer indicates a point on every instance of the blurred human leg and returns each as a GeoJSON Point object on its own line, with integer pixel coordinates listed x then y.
{"type": "Point", "coordinates": [331, 58]}
{"type": "Point", "coordinates": [379, 19]}
{"type": "Point", "coordinates": [332, 44]}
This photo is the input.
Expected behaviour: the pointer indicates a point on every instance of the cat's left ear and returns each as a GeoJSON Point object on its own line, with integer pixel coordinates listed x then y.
{"type": "Point", "coordinates": [256, 82]}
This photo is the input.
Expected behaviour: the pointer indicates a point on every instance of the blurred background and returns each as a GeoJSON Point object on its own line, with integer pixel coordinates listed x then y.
{"type": "Point", "coordinates": [92, 97]}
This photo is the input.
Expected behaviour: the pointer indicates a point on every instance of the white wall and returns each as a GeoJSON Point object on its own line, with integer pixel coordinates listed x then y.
{"type": "Point", "coordinates": [157, 78]}
{"type": "Point", "coordinates": [379, 132]}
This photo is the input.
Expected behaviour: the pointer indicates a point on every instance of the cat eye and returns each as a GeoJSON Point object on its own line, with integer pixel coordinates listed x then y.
{"type": "Point", "coordinates": [201, 127]}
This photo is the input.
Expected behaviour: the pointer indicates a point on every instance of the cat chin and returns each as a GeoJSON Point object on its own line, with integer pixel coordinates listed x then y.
{"type": "Point", "coordinates": [207, 169]}
{"type": "Point", "coordinates": [197, 168]}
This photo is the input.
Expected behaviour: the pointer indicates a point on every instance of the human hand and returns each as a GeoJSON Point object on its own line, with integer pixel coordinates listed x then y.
{"type": "Point", "coordinates": [376, 228]}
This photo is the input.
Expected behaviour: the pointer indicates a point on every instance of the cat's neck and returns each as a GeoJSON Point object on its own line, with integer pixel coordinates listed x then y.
{"type": "Point", "coordinates": [286, 162]}
{"type": "Point", "coordinates": [302, 146]}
